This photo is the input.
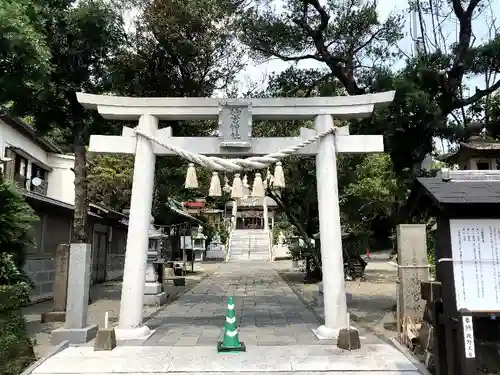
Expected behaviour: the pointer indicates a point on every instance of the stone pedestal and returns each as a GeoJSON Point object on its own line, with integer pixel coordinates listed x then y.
{"type": "Point", "coordinates": [215, 252]}
{"type": "Point", "coordinates": [281, 251]}
{"type": "Point", "coordinates": [58, 312]}
{"type": "Point", "coordinates": [76, 329]}
{"type": "Point", "coordinates": [349, 339]}
{"type": "Point", "coordinates": [153, 290]}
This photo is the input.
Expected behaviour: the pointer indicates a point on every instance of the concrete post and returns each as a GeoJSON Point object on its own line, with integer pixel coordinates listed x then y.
{"type": "Point", "coordinates": [330, 234]}
{"type": "Point", "coordinates": [134, 274]}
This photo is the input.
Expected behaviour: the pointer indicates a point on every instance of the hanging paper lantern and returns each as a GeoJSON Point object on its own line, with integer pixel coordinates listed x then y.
{"type": "Point", "coordinates": [191, 179]}
{"type": "Point", "coordinates": [279, 176]}
{"type": "Point", "coordinates": [215, 189]}
{"type": "Point", "coordinates": [258, 187]}
{"type": "Point", "coordinates": [237, 189]}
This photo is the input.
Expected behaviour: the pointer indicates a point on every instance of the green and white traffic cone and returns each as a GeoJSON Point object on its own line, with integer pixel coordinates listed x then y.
{"type": "Point", "coordinates": [231, 342]}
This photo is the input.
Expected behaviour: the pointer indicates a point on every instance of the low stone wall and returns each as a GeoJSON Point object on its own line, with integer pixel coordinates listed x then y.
{"type": "Point", "coordinates": [42, 272]}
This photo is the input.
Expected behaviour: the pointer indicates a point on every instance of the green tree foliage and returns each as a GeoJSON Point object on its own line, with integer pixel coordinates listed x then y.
{"type": "Point", "coordinates": [110, 180]}
{"type": "Point", "coordinates": [369, 190]}
{"type": "Point", "coordinates": [24, 53]}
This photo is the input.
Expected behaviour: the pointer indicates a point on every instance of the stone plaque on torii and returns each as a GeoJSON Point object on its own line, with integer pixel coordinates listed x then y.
{"type": "Point", "coordinates": [233, 139]}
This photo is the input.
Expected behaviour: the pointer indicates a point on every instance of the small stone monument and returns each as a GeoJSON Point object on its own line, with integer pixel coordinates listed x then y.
{"type": "Point", "coordinates": [215, 250]}
{"type": "Point", "coordinates": [76, 330]}
{"type": "Point", "coordinates": [58, 312]}
{"type": "Point", "coordinates": [106, 337]}
{"type": "Point", "coordinates": [413, 270]}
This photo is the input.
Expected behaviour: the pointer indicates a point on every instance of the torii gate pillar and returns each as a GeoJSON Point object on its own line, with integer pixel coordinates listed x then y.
{"type": "Point", "coordinates": [334, 293]}
{"type": "Point", "coordinates": [134, 273]}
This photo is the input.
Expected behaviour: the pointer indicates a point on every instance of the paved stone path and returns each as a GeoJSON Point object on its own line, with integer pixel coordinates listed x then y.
{"type": "Point", "coordinates": [268, 311]}
{"type": "Point", "coordinates": [274, 324]}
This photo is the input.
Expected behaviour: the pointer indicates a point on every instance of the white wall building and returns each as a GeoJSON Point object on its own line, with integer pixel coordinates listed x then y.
{"type": "Point", "coordinates": [32, 157]}
{"type": "Point", "coordinates": [44, 175]}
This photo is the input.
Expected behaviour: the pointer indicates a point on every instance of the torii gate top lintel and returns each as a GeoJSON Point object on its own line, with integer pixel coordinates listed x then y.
{"type": "Point", "coordinates": [129, 108]}
{"type": "Point", "coordinates": [235, 121]}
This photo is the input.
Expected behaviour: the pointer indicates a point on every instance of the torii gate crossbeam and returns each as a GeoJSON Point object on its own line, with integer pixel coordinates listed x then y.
{"type": "Point", "coordinates": [235, 123]}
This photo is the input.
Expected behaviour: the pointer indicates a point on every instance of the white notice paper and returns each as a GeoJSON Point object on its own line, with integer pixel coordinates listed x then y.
{"type": "Point", "coordinates": [476, 263]}
{"type": "Point", "coordinates": [470, 348]}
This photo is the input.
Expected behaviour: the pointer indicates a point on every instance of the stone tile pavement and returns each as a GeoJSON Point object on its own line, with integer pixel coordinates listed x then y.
{"type": "Point", "coordinates": [296, 359]}
{"type": "Point", "coordinates": [105, 298]}
{"type": "Point", "coordinates": [274, 324]}
{"type": "Point", "coordinates": [267, 310]}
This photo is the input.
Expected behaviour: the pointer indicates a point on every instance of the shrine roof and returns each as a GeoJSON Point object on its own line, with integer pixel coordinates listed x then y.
{"type": "Point", "coordinates": [476, 146]}
{"type": "Point", "coordinates": [464, 189]}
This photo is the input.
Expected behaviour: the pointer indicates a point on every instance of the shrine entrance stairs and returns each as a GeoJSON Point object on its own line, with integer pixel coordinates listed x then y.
{"type": "Point", "coordinates": [249, 244]}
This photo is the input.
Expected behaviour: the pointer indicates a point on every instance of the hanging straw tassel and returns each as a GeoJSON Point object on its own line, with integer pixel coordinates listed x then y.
{"type": "Point", "coordinates": [237, 189]}
{"type": "Point", "coordinates": [258, 187]}
{"type": "Point", "coordinates": [279, 176]}
{"type": "Point", "coordinates": [215, 189]}
{"type": "Point", "coordinates": [191, 180]}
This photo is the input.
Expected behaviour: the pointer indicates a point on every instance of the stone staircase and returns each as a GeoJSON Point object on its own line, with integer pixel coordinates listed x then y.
{"type": "Point", "coordinates": [249, 244]}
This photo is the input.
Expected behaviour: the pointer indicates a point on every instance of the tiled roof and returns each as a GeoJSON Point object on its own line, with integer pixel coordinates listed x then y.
{"type": "Point", "coordinates": [461, 191]}
{"type": "Point", "coordinates": [28, 131]}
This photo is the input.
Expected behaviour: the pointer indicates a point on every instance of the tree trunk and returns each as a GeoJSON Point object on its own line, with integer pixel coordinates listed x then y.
{"type": "Point", "coordinates": [79, 229]}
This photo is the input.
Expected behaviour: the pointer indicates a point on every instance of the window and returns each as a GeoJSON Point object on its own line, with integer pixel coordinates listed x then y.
{"type": "Point", "coordinates": [21, 165]}
{"type": "Point", "coordinates": [37, 171]}
{"type": "Point", "coordinates": [483, 166]}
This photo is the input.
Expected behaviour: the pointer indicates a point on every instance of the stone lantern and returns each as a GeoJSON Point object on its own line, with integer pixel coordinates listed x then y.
{"type": "Point", "coordinates": [153, 289]}
{"type": "Point", "coordinates": [199, 246]}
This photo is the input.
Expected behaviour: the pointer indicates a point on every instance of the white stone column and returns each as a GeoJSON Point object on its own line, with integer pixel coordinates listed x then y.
{"type": "Point", "coordinates": [266, 214]}
{"type": "Point", "coordinates": [130, 323]}
{"type": "Point", "coordinates": [334, 293]}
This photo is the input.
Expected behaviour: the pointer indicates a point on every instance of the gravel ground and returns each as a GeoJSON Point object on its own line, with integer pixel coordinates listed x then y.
{"type": "Point", "coordinates": [373, 303]}
{"type": "Point", "coordinates": [105, 297]}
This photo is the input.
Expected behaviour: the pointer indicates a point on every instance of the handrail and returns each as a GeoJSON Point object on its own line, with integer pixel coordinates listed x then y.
{"type": "Point", "coordinates": [229, 239]}
{"type": "Point", "coordinates": [270, 244]}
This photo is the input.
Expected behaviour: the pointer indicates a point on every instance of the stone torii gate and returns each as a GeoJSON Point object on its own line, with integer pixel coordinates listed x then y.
{"type": "Point", "coordinates": [234, 139]}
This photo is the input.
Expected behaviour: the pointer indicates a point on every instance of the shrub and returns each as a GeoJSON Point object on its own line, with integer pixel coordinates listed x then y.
{"type": "Point", "coordinates": [16, 217]}
{"type": "Point", "coordinates": [16, 347]}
